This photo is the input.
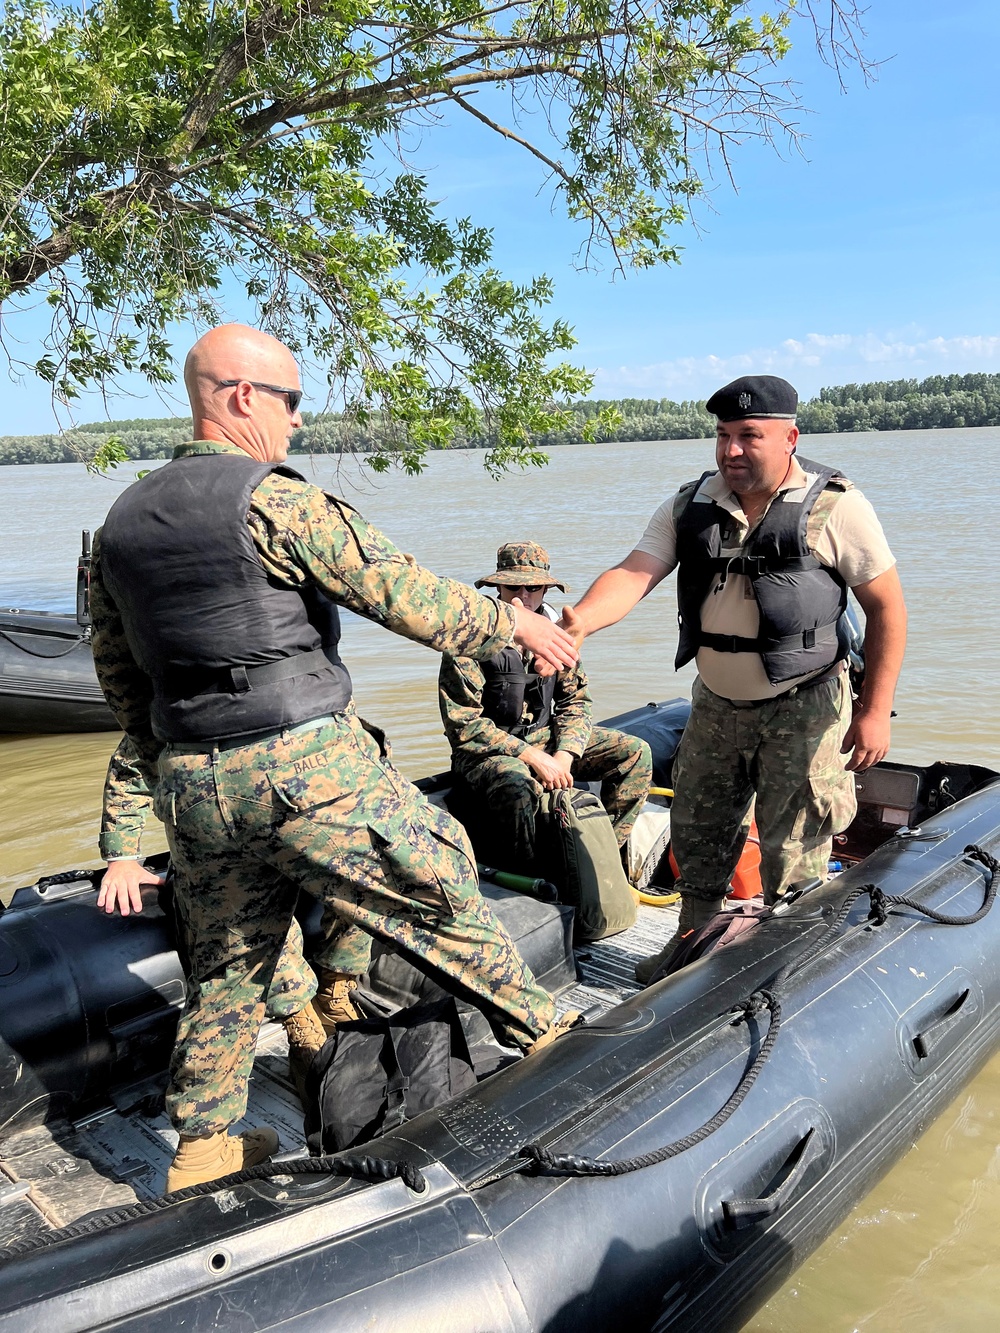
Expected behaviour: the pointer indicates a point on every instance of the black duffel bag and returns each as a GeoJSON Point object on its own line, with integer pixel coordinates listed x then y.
{"type": "Point", "coordinates": [377, 1073]}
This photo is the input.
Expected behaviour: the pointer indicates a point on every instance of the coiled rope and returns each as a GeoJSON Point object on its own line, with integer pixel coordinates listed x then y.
{"type": "Point", "coordinates": [540, 1161]}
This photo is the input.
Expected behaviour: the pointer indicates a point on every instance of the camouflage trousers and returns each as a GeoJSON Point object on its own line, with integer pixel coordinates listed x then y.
{"type": "Point", "coordinates": [785, 752]}
{"type": "Point", "coordinates": [318, 807]}
{"type": "Point", "coordinates": [509, 796]}
{"type": "Point", "coordinates": [345, 949]}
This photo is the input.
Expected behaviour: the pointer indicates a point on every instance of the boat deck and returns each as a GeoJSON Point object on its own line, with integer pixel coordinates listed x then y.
{"type": "Point", "coordinates": [57, 1174]}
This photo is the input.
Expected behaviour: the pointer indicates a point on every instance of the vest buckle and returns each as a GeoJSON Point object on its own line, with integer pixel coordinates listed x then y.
{"type": "Point", "coordinates": [240, 679]}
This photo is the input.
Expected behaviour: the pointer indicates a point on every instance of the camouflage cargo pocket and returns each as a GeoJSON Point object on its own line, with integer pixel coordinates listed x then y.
{"type": "Point", "coordinates": [832, 804]}
{"type": "Point", "coordinates": [313, 787]}
{"type": "Point", "coordinates": [425, 856]}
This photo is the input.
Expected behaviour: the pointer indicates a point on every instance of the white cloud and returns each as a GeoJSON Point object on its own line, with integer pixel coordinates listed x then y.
{"type": "Point", "coordinates": [813, 361]}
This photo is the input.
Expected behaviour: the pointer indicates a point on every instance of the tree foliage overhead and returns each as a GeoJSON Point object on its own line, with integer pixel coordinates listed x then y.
{"type": "Point", "coordinates": [151, 149]}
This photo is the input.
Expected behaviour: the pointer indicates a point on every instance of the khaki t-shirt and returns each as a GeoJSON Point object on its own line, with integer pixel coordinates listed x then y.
{"type": "Point", "coordinates": [851, 542]}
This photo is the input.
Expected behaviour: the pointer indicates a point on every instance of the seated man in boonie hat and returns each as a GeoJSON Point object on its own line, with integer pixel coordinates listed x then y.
{"type": "Point", "coordinates": [515, 733]}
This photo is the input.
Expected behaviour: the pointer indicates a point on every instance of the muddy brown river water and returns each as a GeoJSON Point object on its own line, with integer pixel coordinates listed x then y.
{"type": "Point", "coordinates": [919, 1253]}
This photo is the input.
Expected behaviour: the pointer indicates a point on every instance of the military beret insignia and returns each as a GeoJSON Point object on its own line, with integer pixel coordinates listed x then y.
{"type": "Point", "coordinates": [755, 396]}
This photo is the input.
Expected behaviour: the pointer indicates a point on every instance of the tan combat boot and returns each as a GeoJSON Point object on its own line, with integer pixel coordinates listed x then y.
{"type": "Point", "coordinates": [570, 1019]}
{"type": "Point", "coordinates": [199, 1160]}
{"type": "Point", "coordinates": [306, 1035]}
{"type": "Point", "coordinates": [332, 1002]}
{"type": "Point", "coordinates": [695, 913]}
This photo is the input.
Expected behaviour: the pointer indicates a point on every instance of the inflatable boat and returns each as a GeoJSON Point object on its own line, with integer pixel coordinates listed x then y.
{"type": "Point", "coordinates": [664, 1166]}
{"type": "Point", "coordinates": [47, 677]}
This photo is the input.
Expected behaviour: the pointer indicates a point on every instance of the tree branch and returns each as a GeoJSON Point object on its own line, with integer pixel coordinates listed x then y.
{"type": "Point", "coordinates": [400, 87]}
{"type": "Point", "coordinates": [229, 65]}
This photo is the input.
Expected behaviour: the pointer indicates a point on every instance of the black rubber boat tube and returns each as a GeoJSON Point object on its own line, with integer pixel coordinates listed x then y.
{"type": "Point", "coordinates": [878, 1032]}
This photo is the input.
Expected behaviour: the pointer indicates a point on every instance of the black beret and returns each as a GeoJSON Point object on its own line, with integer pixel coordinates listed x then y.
{"type": "Point", "coordinates": [754, 396]}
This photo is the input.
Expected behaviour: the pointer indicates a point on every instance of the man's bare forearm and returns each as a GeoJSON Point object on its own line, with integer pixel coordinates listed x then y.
{"type": "Point", "coordinates": [885, 644]}
{"type": "Point", "coordinates": [613, 595]}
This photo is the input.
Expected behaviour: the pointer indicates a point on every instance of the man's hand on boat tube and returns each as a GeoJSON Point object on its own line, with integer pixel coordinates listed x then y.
{"type": "Point", "coordinates": [552, 770]}
{"type": "Point", "coordinates": [553, 648]}
{"type": "Point", "coordinates": [121, 886]}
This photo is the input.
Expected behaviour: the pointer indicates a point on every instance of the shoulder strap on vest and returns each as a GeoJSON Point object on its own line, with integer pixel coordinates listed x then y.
{"type": "Point", "coordinates": [686, 494]}
{"type": "Point", "coordinates": [823, 506]}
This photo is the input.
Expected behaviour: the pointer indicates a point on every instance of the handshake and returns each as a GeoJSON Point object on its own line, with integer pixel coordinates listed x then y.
{"type": "Point", "coordinates": [555, 645]}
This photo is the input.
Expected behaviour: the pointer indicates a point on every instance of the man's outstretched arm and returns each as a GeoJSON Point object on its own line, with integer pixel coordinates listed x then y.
{"type": "Point", "coordinates": [885, 642]}
{"type": "Point", "coordinates": [613, 595]}
{"type": "Point", "coordinates": [303, 535]}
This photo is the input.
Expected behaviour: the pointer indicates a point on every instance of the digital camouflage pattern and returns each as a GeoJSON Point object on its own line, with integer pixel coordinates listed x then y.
{"type": "Point", "coordinates": [785, 750]}
{"type": "Point", "coordinates": [520, 563]}
{"type": "Point", "coordinates": [505, 787]}
{"type": "Point", "coordinates": [321, 808]}
{"type": "Point", "coordinates": [306, 535]}
{"type": "Point", "coordinates": [127, 806]}
{"type": "Point", "coordinates": [486, 758]}
{"type": "Point", "coordinates": [369, 845]}
{"type": "Point", "coordinates": [475, 737]}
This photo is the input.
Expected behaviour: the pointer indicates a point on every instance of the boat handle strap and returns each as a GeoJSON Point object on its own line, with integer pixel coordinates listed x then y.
{"type": "Point", "coordinates": [745, 1212]}
{"type": "Point", "coordinates": [927, 1041]}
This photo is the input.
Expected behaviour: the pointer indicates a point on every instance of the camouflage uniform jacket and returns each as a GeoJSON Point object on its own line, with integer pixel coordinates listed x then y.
{"type": "Point", "coordinates": [306, 535]}
{"type": "Point", "coordinates": [475, 736]}
{"type": "Point", "coordinates": [127, 805]}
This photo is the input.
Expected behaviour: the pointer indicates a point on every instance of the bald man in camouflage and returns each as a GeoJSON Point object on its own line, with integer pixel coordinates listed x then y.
{"type": "Point", "coordinates": [216, 581]}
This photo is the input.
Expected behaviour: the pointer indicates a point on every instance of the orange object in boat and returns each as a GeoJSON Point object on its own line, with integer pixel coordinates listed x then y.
{"type": "Point", "coordinates": [746, 879]}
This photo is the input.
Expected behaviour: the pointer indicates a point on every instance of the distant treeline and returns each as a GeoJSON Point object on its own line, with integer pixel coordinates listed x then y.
{"type": "Point", "coordinates": [939, 401]}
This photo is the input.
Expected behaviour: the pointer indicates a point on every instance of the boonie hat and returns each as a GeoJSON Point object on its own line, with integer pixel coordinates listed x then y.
{"type": "Point", "coordinates": [754, 396]}
{"type": "Point", "coordinates": [521, 564]}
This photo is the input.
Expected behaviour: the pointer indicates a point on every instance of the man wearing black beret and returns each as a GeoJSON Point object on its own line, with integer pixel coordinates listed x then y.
{"type": "Point", "coordinates": [766, 548]}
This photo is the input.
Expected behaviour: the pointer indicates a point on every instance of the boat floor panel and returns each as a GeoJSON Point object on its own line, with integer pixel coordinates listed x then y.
{"type": "Point", "coordinates": [117, 1157]}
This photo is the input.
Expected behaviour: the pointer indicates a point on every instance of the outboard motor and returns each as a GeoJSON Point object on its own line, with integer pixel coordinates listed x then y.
{"type": "Point", "coordinates": [88, 1003]}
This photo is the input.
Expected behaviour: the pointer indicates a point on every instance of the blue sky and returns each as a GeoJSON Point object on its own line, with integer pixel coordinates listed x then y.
{"type": "Point", "coordinates": [872, 254]}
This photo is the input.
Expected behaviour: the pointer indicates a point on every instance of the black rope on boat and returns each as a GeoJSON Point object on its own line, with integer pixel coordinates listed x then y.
{"type": "Point", "coordinates": [566, 1164]}
{"type": "Point", "coordinates": [543, 1162]}
{"type": "Point", "coordinates": [51, 657]}
{"type": "Point", "coordinates": [64, 877]}
{"type": "Point", "coordinates": [881, 902]}
{"type": "Point", "coordinates": [358, 1167]}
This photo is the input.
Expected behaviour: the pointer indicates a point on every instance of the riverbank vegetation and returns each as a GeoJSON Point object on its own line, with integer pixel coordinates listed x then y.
{"type": "Point", "coordinates": [942, 401]}
{"type": "Point", "coordinates": [163, 165]}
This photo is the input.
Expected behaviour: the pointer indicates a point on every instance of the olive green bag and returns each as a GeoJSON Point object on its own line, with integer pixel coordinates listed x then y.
{"type": "Point", "coordinates": [581, 857]}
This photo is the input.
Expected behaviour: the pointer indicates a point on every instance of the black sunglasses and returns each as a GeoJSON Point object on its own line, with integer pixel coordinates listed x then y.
{"type": "Point", "coordinates": [292, 396]}
{"type": "Point", "coordinates": [527, 587]}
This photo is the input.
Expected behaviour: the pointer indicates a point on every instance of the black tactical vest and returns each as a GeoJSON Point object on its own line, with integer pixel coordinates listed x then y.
{"type": "Point", "coordinates": [508, 687]}
{"type": "Point", "coordinates": [801, 601]}
{"type": "Point", "coordinates": [225, 644]}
